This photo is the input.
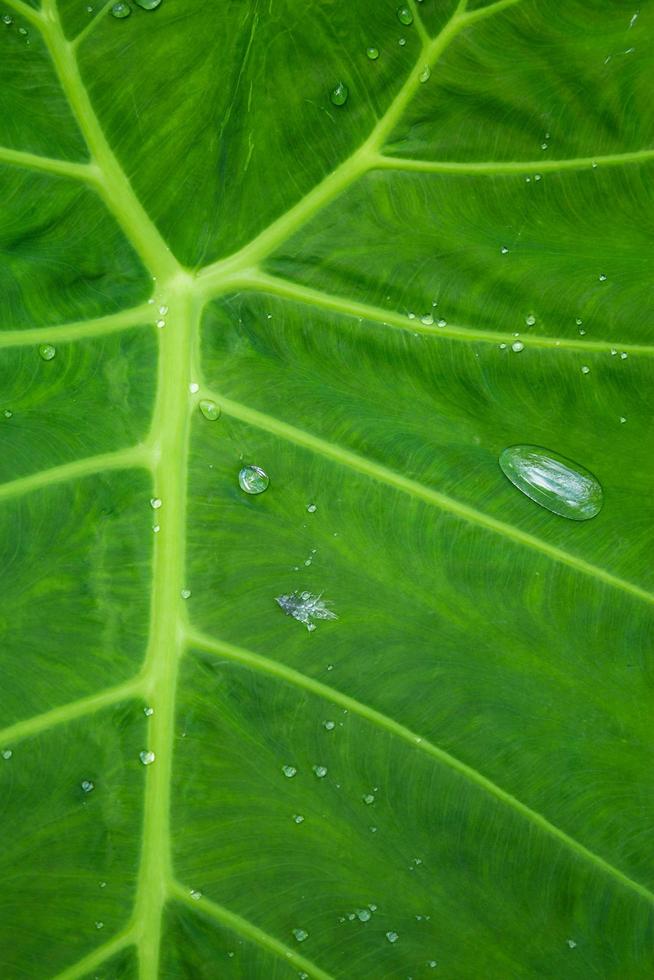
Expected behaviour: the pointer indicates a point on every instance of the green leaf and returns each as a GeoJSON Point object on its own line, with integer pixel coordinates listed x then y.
{"type": "Point", "coordinates": [439, 761]}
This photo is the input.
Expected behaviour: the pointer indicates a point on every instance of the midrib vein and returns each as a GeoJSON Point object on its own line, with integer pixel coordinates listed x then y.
{"type": "Point", "coordinates": [274, 668]}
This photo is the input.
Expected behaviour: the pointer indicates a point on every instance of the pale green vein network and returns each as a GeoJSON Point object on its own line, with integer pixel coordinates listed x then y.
{"type": "Point", "coordinates": [165, 455]}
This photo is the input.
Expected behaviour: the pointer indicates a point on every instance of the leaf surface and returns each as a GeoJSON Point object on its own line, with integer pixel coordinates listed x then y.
{"type": "Point", "coordinates": [453, 777]}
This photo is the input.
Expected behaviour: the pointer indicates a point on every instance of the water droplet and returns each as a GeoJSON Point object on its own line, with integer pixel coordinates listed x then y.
{"type": "Point", "coordinates": [23, 31]}
{"type": "Point", "coordinates": [102, 884]}
{"type": "Point", "coordinates": [404, 16]}
{"type": "Point", "coordinates": [543, 146]}
{"type": "Point", "coordinates": [622, 418]}
{"type": "Point", "coordinates": [311, 508]}
{"type": "Point", "coordinates": [613, 352]}
{"type": "Point", "coordinates": [431, 964]}
{"type": "Point", "coordinates": [504, 250]}
{"type": "Point", "coordinates": [195, 895]}
{"type": "Point", "coordinates": [602, 277]}
{"type": "Point", "coordinates": [185, 593]}
{"type": "Point", "coordinates": [156, 528]}
{"type": "Point", "coordinates": [148, 4]}
{"type": "Point", "coordinates": [300, 935]}
{"type": "Point", "coordinates": [87, 785]}
{"type": "Point", "coordinates": [320, 771]}
{"type": "Point", "coordinates": [530, 320]}
{"type": "Point", "coordinates": [368, 799]}
{"type": "Point", "coordinates": [339, 94]}
{"type": "Point", "coordinates": [571, 943]}
{"type": "Point", "coordinates": [148, 712]}
{"type": "Point", "coordinates": [155, 503]}
{"type": "Point", "coordinates": [252, 479]}
{"type": "Point", "coordinates": [194, 387]}
{"type": "Point", "coordinates": [623, 355]}
{"type": "Point", "coordinates": [427, 319]}
{"type": "Point", "coordinates": [392, 937]}
{"type": "Point", "coordinates": [298, 818]}
{"type": "Point", "coordinates": [161, 324]}
{"type": "Point", "coordinates": [121, 10]}
{"type": "Point", "coordinates": [47, 351]}
{"type": "Point", "coordinates": [7, 753]}
{"type": "Point", "coordinates": [425, 74]}
{"type": "Point", "coordinates": [373, 53]}
{"type": "Point", "coordinates": [517, 346]}
{"type": "Point", "coordinates": [402, 42]}
{"type": "Point", "coordinates": [289, 771]}
{"type": "Point", "coordinates": [329, 725]}
{"type": "Point", "coordinates": [305, 607]}
{"type": "Point", "coordinates": [557, 484]}
{"type": "Point", "coordinates": [163, 310]}
{"type": "Point", "coordinates": [209, 409]}
{"type": "Point", "coordinates": [363, 915]}
{"type": "Point", "coordinates": [441, 323]}
{"type": "Point", "coordinates": [146, 757]}
{"type": "Point", "coordinates": [8, 414]}
{"type": "Point", "coordinates": [585, 369]}
{"type": "Point", "coordinates": [99, 925]}
{"type": "Point", "coordinates": [7, 19]}
{"type": "Point", "coordinates": [538, 177]}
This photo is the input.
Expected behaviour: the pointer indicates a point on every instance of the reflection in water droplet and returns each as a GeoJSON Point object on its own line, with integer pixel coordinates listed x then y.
{"type": "Point", "coordinates": [339, 94]}
{"type": "Point", "coordinates": [392, 937]}
{"type": "Point", "coordinates": [556, 483]}
{"type": "Point", "coordinates": [209, 409]}
{"type": "Point", "coordinates": [148, 4]}
{"type": "Point", "coordinates": [146, 757]}
{"type": "Point", "coordinates": [252, 479]}
{"type": "Point", "coordinates": [300, 935]}
{"type": "Point", "coordinates": [88, 785]}
{"type": "Point", "coordinates": [320, 771]}
{"type": "Point", "coordinates": [47, 351]}
{"type": "Point", "coordinates": [404, 16]}
{"type": "Point", "coordinates": [121, 10]}
{"type": "Point", "coordinates": [289, 771]}
{"type": "Point", "coordinates": [373, 53]}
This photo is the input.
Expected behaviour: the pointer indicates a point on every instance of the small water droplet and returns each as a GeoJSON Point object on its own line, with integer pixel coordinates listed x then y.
{"type": "Point", "coordinates": [195, 895]}
{"type": "Point", "coordinates": [47, 351]}
{"type": "Point", "coordinates": [23, 31]}
{"type": "Point", "coordinates": [209, 409]}
{"type": "Point", "coordinates": [613, 352]}
{"type": "Point", "coordinates": [87, 785]}
{"type": "Point", "coordinates": [504, 250]}
{"type": "Point", "coordinates": [585, 369]}
{"type": "Point", "coordinates": [102, 884]}
{"type": "Point", "coordinates": [289, 771]}
{"type": "Point", "coordinates": [530, 320]}
{"type": "Point", "coordinates": [121, 10]}
{"type": "Point", "coordinates": [363, 915]}
{"type": "Point", "coordinates": [147, 757]}
{"type": "Point", "coordinates": [8, 414]}
{"type": "Point", "coordinates": [148, 712]}
{"type": "Point", "coordinates": [300, 935]}
{"type": "Point", "coordinates": [339, 94]}
{"type": "Point", "coordinates": [571, 943]}
{"type": "Point", "coordinates": [623, 355]}
{"type": "Point", "coordinates": [368, 799]}
{"type": "Point", "coordinates": [543, 146]}
{"type": "Point", "coordinates": [7, 19]}
{"type": "Point", "coordinates": [404, 16]}
{"type": "Point", "coordinates": [161, 324]}
{"type": "Point", "coordinates": [99, 925]}
{"type": "Point", "coordinates": [7, 753]}
{"type": "Point", "coordinates": [194, 387]}
{"type": "Point", "coordinates": [557, 484]}
{"type": "Point", "coordinates": [425, 74]}
{"type": "Point", "coordinates": [163, 310]}
{"type": "Point", "coordinates": [537, 177]}
{"type": "Point", "coordinates": [148, 4]}
{"type": "Point", "coordinates": [431, 964]}
{"type": "Point", "coordinates": [373, 53]}
{"type": "Point", "coordinates": [156, 528]}
{"type": "Point", "coordinates": [602, 277]}
{"type": "Point", "coordinates": [298, 818]}
{"type": "Point", "coordinates": [252, 479]}
{"type": "Point", "coordinates": [155, 503]}
{"type": "Point", "coordinates": [329, 725]}
{"type": "Point", "coordinates": [402, 42]}
{"type": "Point", "coordinates": [311, 508]}
{"type": "Point", "coordinates": [441, 322]}
{"type": "Point", "coordinates": [392, 937]}
{"type": "Point", "coordinates": [427, 319]}
{"type": "Point", "coordinates": [320, 771]}
{"type": "Point", "coordinates": [517, 346]}
{"type": "Point", "coordinates": [622, 418]}
{"type": "Point", "coordinates": [185, 593]}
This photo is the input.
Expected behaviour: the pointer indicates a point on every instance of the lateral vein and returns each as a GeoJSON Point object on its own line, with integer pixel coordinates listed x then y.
{"type": "Point", "coordinates": [122, 459]}
{"type": "Point", "coordinates": [505, 167]}
{"type": "Point", "coordinates": [81, 330]}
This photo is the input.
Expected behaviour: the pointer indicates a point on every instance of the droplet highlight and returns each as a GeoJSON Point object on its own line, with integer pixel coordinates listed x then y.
{"type": "Point", "coordinates": [372, 53]}
{"type": "Point", "coordinates": [556, 483]}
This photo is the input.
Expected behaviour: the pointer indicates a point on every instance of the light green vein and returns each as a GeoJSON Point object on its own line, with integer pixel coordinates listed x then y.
{"type": "Point", "coordinates": [98, 956]}
{"type": "Point", "coordinates": [69, 712]}
{"type": "Point", "coordinates": [122, 459]}
{"type": "Point", "coordinates": [248, 931]}
{"type": "Point", "coordinates": [81, 330]}
{"type": "Point", "coordinates": [263, 282]}
{"type": "Point", "coordinates": [383, 474]}
{"type": "Point", "coordinates": [503, 167]}
{"type": "Point", "coordinates": [418, 23]}
{"type": "Point", "coordinates": [63, 168]}
{"type": "Point", "coordinates": [383, 721]}
{"type": "Point", "coordinates": [93, 23]}
{"type": "Point", "coordinates": [491, 10]}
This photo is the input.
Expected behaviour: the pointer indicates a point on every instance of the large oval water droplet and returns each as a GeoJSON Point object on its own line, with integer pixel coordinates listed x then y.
{"type": "Point", "coordinates": [404, 15]}
{"type": "Point", "coordinates": [121, 10]}
{"type": "Point", "coordinates": [209, 409]}
{"type": "Point", "coordinates": [252, 479]}
{"type": "Point", "coordinates": [339, 94]}
{"type": "Point", "coordinates": [47, 351]}
{"type": "Point", "coordinates": [556, 483]}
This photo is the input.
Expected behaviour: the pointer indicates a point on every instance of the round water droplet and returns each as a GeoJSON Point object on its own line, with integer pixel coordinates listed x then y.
{"type": "Point", "coordinates": [289, 771]}
{"type": "Point", "coordinates": [557, 484]}
{"type": "Point", "coordinates": [404, 16]}
{"type": "Point", "coordinates": [209, 409]}
{"type": "Point", "coordinates": [402, 42]}
{"type": "Point", "coordinates": [504, 250]}
{"type": "Point", "coordinates": [155, 503]}
{"type": "Point", "coordinates": [392, 937]}
{"type": "Point", "coordinates": [320, 771]}
{"type": "Point", "coordinates": [161, 324]}
{"type": "Point", "coordinates": [585, 369]}
{"type": "Point", "coordinates": [364, 915]}
{"type": "Point", "coordinates": [373, 53]}
{"type": "Point", "coordinates": [298, 818]}
{"type": "Point", "coordinates": [311, 508]}
{"type": "Point", "coordinates": [7, 19]}
{"type": "Point", "coordinates": [195, 895]}
{"type": "Point", "coordinates": [329, 725]}
{"type": "Point", "coordinates": [148, 4]}
{"type": "Point", "coordinates": [368, 799]}
{"type": "Point", "coordinates": [47, 351]}
{"type": "Point", "coordinates": [441, 322]}
{"type": "Point", "coordinates": [517, 346]}
{"type": "Point", "coordinates": [431, 964]}
{"type": "Point", "coordinates": [602, 277]}
{"type": "Point", "coordinates": [425, 74]}
{"type": "Point", "coordinates": [99, 925]}
{"type": "Point", "coordinates": [300, 935]}
{"type": "Point", "coordinates": [530, 320]}
{"type": "Point", "coordinates": [185, 593]}
{"type": "Point", "coordinates": [146, 757]}
{"type": "Point", "coordinates": [427, 319]}
{"type": "Point", "coordinates": [148, 712]}
{"type": "Point", "coordinates": [8, 414]}
{"type": "Point", "coordinates": [339, 94]}
{"type": "Point", "coordinates": [7, 753]}
{"type": "Point", "coordinates": [87, 785]}
{"type": "Point", "coordinates": [252, 479]}
{"type": "Point", "coordinates": [121, 10]}
{"type": "Point", "coordinates": [194, 387]}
